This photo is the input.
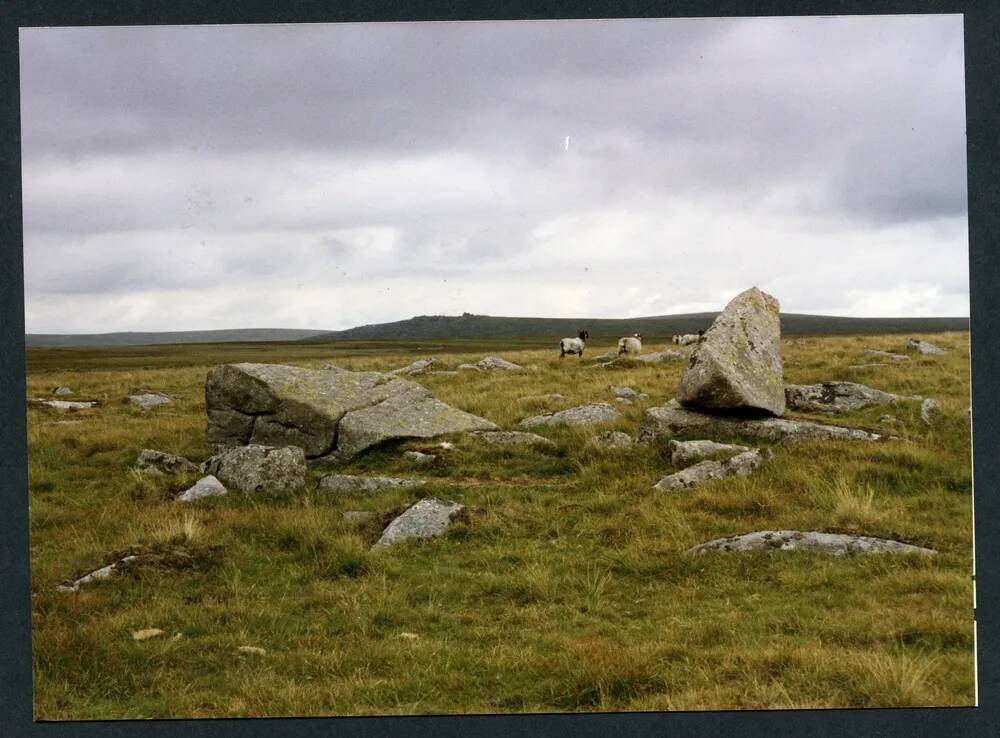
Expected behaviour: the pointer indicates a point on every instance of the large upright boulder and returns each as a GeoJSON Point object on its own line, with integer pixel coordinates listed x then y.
{"type": "Point", "coordinates": [335, 414]}
{"type": "Point", "coordinates": [736, 367]}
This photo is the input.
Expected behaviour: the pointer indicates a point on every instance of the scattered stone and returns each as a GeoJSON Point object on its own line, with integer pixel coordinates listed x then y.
{"type": "Point", "coordinates": [673, 419]}
{"type": "Point", "coordinates": [103, 573]}
{"type": "Point", "coordinates": [357, 517]}
{"type": "Point", "coordinates": [419, 458]}
{"type": "Point", "coordinates": [255, 650]}
{"type": "Point", "coordinates": [737, 364]}
{"type": "Point", "coordinates": [255, 468]}
{"type": "Point", "coordinates": [205, 487]}
{"type": "Point", "coordinates": [835, 544]}
{"type": "Point", "coordinates": [643, 396]}
{"type": "Point", "coordinates": [513, 438]}
{"type": "Point", "coordinates": [590, 414]}
{"type": "Point", "coordinates": [836, 397]}
{"type": "Point", "coordinates": [623, 392]}
{"type": "Point", "coordinates": [427, 518]}
{"type": "Point", "coordinates": [614, 440]}
{"type": "Point", "coordinates": [922, 347]}
{"type": "Point", "coordinates": [146, 398]}
{"type": "Point", "coordinates": [660, 357]}
{"type": "Point", "coordinates": [471, 367]}
{"type": "Point", "coordinates": [331, 414]}
{"type": "Point", "coordinates": [494, 362]}
{"type": "Point", "coordinates": [409, 636]}
{"type": "Point", "coordinates": [686, 452]}
{"type": "Point", "coordinates": [63, 404]}
{"type": "Point", "coordinates": [928, 409]}
{"type": "Point", "coordinates": [886, 355]}
{"type": "Point", "coordinates": [446, 446]}
{"type": "Point", "coordinates": [167, 463]}
{"type": "Point", "coordinates": [146, 633]}
{"type": "Point", "coordinates": [351, 483]}
{"type": "Point", "coordinates": [62, 391]}
{"type": "Point", "coordinates": [741, 465]}
{"type": "Point", "coordinates": [444, 372]}
{"type": "Point", "coordinates": [415, 368]}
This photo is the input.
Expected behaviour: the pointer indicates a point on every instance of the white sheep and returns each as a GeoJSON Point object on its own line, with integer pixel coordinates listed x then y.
{"type": "Point", "coordinates": [573, 345]}
{"type": "Point", "coordinates": [688, 338]}
{"type": "Point", "coordinates": [631, 345]}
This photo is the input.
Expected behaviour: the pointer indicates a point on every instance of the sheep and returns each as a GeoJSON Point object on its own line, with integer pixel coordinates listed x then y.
{"type": "Point", "coordinates": [573, 345]}
{"type": "Point", "coordinates": [688, 338]}
{"type": "Point", "coordinates": [631, 345]}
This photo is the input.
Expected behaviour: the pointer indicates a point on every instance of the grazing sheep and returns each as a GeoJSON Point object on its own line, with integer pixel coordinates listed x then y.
{"type": "Point", "coordinates": [688, 338]}
{"type": "Point", "coordinates": [631, 345]}
{"type": "Point", "coordinates": [573, 345]}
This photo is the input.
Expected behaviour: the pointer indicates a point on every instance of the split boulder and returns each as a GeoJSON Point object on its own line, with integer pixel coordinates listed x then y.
{"type": "Point", "coordinates": [256, 468]}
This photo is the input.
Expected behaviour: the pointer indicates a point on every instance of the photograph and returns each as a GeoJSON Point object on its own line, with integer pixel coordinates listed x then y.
{"type": "Point", "coordinates": [497, 367]}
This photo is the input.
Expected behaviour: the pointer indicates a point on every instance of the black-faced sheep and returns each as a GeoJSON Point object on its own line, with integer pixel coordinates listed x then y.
{"type": "Point", "coordinates": [573, 345]}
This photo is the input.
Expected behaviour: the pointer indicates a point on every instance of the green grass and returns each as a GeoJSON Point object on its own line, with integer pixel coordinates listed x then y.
{"type": "Point", "coordinates": [566, 588]}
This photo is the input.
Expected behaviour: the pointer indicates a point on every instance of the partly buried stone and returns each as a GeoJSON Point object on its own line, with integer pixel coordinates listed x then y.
{"type": "Point", "coordinates": [351, 483]}
{"type": "Point", "coordinates": [686, 452]}
{"type": "Point", "coordinates": [427, 518]}
{"type": "Point", "coordinates": [624, 392]}
{"type": "Point", "coordinates": [62, 391]}
{"type": "Point", "coordinates": [357, 517]}
{"type": "Point", "coordinates": [922, 347]}
{"type": "Point", "coordinates": [416, 367]}
{"type": "Point", "coordinates": [146, 398]}
{"type": "Point", "coordinates": [835, 544]}
{"type": "Point", "coordinates": [495, 362]}
{"type": "Point", "coordinates": [614, 440]}
{"type": "Point", "coordinates": [672, 419]}
{"type": "Point", "coordinates": [659, 357]}
{"type": "Point", "coordinates": [928, 409]}
{"type": "Point", "coordinates": [63, 404]}
{"type": "Point", "coordinates": [103, 573]}
{"type": "Point", "coordinates": [205, 487]}
{"type": "Point", "coordinates": [836, 397]}
{"type": "Point", "coordinates": [513, 438]}
{"type": "Point", "coordinates": [590, 414]}
{"type": "Point", "coordinates": [255, 468]}
{"type": "Point", "coordinates": [737, 365]}
{"type": "Point", "coordinates": [418, 457]}
{"type": "Point", "coordinates": [167, 463]}
{"type": "Point", "coordinates": [741, 465]}
{"type": "Point", "coordinates": [886, 355]}
{"type": "Point", "coordinates": [325, 413]}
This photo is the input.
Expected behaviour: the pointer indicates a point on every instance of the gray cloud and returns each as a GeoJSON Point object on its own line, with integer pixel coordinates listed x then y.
{"type": "Point", "coordinates": [162, 159]}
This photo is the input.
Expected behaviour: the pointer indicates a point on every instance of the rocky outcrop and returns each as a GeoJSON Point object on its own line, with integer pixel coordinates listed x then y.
{"type": "Point", "coordinates": [256, 468]}
{"type": "Point", "coordinates": [591, 414]}
{"type": "Point", "coordinates": [332, 414]}
{"type": "Point", "coordinates": [205, 487]}
{"type": "Point", "coordinates": [687, 452]}
{"type": "Point", "coordinates": [351, 483]}
{"type": "Point", "coordinates": [741, 465]}
{"type": "Point", "coordinates": [672, 420]}
{"type": "Point", "coordinates": [836, 397]}
{"type": "Point", "coordinates": [428, 518]}
{"type": "Point", "coordinates": [834, 544]}
{"type": "Point", "coordinates": [167, 463]}
{"type": "Point", "coordinates": [737, 365]}
{"type": "Point", "coordinates": [922, 347]}
{"type": "Point", "coordinates": [513, 438]}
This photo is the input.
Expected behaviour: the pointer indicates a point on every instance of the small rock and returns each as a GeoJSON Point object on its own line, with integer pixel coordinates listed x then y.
{"type": "Point", "coordinates": [614, 440]}
{"type": "Point", "coordinates": [623, 400]}
{"type": "Point", "coordinates": [922, 347]}
{"type": "Point", "coordinates": [350, 483]}
{"type": "Point", "coordinates": [255, 468]}
{"type": "Point", "coordinates": [886, 355]}
{"type": "Point", "coordinates": [408, 636]}
{"type": "Point", "coordinates": [741, 465]}
{"type": "Point", "coordinates": [427, 518]}
{"type": "Point", "coordinates": [469, 367]}
{"type": "Point", "coordinates": [590, 414]}
{"type": "Point", "coordinates": [512, 438]}
{"type": "Point", "coordinates": [660, 357]}
{"type": "Point", "coordinates": [886, 418]}
{"type": "Point", "coordinates": [63, 404]}
{"type": "Point", "coordinates": [419, 458]}
{"type": "Point", "coordinates": [643, 396]}
{"type": "Point", "coordinates": [62, 391]}
{"type": "Point", "coordinates": [103, 573]}
{"type": "Point", "coordinates": [146, 634]}
{"type": "Point", "coordinates": [625, 392]}
{"type": "Point", "coordinates": [685, 452]}
{"type": "Point", "coordinates": [205, 487]}
{"type": "Point", "coordinates": [167, 463]}
{"type": "Point", "coordinates": [835, 544]}
{"type": "Point", "coordinates": [415, 368]}
{"type": "Point", "coordinates": [495, 362]}
{"type": "Point", "coordinates": [928, 409]}
{"type": "Point", "coordinates": [255, 650]}
{"type": "Point", "coordinates": [145, 398]}
{"type": "Point", "coordinates": [444, 372]}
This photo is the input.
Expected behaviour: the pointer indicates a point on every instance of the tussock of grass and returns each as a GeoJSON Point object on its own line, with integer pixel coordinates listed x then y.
{"type": "Point", "coordinates": [565, 587]}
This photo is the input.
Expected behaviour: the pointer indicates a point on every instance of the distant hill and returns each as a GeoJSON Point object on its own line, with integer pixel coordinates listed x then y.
{"type": "Point", "coordinates": [53, 340]}
{"type": "Point", "coordinates": [486, 326]}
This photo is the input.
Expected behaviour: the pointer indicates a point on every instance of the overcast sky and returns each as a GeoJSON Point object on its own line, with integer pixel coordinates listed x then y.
{"type": "Point", "coordinates": [327, 176]}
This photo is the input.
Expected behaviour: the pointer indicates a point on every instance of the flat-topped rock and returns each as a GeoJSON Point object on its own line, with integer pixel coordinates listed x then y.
{"type": "Point", "coordinates": [256, 468]}
{"type": "Point", "coordinates": [590, 414]}
{"type": "Point", "coordinates": [331, 414]}
{"type": "Point", "coordinates": [428, 518]}
{"type": "Point", "coordinates": [686, 452]}
{"type": "Point", "coordinates": [205, 487]}
{"type": "Point", "coordinates": [167, 463]}
{"type": "Point", "coordinates": [740, 465]}
{"type": "Point", "coordinates": [513, 438]}
{"type": "Point", "coordinates": [672, 420]}
{"type": "Point", "coordinates": [736, 366]}
{"type": "Point", "coordinates": [837, 397]}
{"type": "Point", "coordinates": [354, 483]}
{"type": "Point", "coordinates": [834, 544]}
{"type": "Point", "coordinates": [923, 347]}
